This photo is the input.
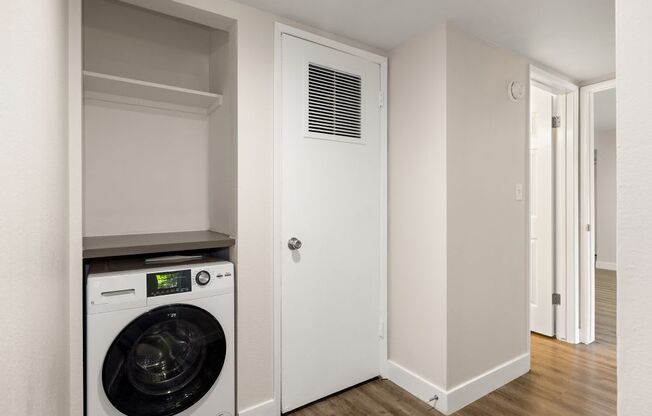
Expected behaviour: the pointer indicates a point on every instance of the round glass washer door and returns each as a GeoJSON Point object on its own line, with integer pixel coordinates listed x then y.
{"type": "Point", "coordinates": [164, 361]}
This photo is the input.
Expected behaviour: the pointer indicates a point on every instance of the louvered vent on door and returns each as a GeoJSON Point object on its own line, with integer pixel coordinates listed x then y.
{"type": "Point", "coordinates": [334, 102]}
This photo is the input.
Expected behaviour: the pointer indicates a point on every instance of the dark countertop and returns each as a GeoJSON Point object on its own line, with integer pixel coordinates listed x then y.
{"type": "Point", "coordinates": [137, 244]}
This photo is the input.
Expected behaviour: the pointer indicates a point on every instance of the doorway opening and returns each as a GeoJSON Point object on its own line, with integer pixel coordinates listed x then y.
{"type": "Point", "coordinates": [553, 204]}
{"type": "Point", "coordinates": [598, 248]}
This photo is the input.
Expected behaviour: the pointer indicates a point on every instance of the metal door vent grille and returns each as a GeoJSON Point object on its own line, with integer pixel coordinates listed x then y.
{"type": "Point", "coordinates": [334, 102]}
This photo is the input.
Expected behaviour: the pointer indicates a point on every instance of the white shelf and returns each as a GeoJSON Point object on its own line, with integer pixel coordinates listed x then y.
{"type": "Point", "coordinates": [104, 87]}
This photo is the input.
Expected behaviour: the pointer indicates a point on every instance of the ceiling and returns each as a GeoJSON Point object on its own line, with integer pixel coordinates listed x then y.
{"type": "Point", "coordinates": [604, 113]}
{"type": "Point", "coordinates": [574, 37]}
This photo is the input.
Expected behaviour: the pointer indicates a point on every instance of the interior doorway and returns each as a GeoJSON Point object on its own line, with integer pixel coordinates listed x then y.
{"type": "Point", "coordinates": [598, 259]}
{"type": "Point", "coordinates": [553, 283]}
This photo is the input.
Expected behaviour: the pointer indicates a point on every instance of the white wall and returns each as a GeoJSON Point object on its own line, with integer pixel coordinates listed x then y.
{"type": "Point", "coordinates": [605, 198]}
{"type": "Point", "coordinates": [137, 157]}
{"type": "Point", "coordinates": [33, 224]}
{"type": "Point", "coordinates": [634, 100]}
{"type": "Point", "coordinates": [222, 155]}
{"type": "Point", "coordinates": [145, 170]}
{"type": "Point", "coordinates": [131, 42]}
{"type": "Point", "coordinates": [487, 244]}
{"type": "Point", "coordinates": [417, 206]}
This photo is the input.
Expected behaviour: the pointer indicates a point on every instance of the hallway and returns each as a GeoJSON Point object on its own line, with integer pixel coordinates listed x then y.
{"type": "Point", "coordinates": [565, 379]}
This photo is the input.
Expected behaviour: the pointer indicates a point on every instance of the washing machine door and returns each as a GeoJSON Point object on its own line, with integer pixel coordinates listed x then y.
{"type": "Point", "coordinates": [164, 361]}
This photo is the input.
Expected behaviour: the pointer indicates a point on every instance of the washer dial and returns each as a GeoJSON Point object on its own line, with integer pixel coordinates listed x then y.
{"type": "Point", "coordinates": [202, 278]}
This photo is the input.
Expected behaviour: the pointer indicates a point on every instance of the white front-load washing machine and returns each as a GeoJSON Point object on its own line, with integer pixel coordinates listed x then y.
{"type": "Point", "coordinates": [160, 341]}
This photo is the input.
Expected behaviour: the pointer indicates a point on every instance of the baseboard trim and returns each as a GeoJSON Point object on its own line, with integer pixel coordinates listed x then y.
{"type": "Point", "coordinates": [470, 391]}
{"type": "Point", "coordinates": [267, 408]}
{"type": "Point", "coordinates": [605, 265]}
{"type": "Point", "coordinates": [463, 394]}
{"type": "Point", "coordinates": [448, 401]}
{"type": "Point", "coordinates": [417, 386]}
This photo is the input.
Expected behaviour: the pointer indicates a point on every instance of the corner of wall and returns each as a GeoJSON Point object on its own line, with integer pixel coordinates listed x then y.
{"type": "Point", "coordinates": [452, 400]}
{"type": "Point", "coordinates": [417, 212]}
{"type": "Point", "coordinates": [442, 82]}
{"type": "Point", "coordinates": [485, 152]}
{"type": "Point", "coordinates": [475, 388]}
{"type": "Point", "coordinates": [418, 386]}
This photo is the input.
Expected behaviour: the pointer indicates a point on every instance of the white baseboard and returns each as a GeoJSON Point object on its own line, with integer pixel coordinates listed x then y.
{"type": "Point", "coordinates": [464, 394]}
{"type": "Point", "coordinates": [605, 265]}
{"type": "Point", "coordinates": [417, 385]}
{"type": "Point", "coordinates": [470, 391]}
{"type": "Point", "coordinates": [267, 408]}
{"type": "Point", "coordinates": [448, 401]}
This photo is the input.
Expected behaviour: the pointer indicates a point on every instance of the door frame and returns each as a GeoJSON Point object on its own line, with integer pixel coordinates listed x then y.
{"type": "Point", "coordinates": [552, 103]}
{"type": "Point", "coordinates": [281, 29]}
{"type": "Point", "coordinates": [567, 203]}
{"type": "Point", "coordinates": [587, 205]}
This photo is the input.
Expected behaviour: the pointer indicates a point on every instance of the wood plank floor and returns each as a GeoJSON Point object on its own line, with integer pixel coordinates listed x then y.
{"type": "Point", "coordinates": [565, 380]}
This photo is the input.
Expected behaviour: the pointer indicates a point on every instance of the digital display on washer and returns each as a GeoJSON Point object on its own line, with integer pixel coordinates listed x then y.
{"type": "Point", "coordinates": [166, 283]}
{"type": "Point", "coordinates": [167, 280]}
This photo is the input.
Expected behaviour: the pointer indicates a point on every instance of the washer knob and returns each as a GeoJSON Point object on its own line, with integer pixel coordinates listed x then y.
{"type": "Point", "coordinates": [202, 278]}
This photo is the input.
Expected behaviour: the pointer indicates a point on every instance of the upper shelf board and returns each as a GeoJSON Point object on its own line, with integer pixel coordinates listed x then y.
{"type": "Point", "coordinates": [142, 244]}
{"type": "Point", "coordinates": [112, 88]}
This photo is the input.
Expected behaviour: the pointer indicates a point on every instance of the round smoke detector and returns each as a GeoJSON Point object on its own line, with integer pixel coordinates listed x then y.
{"type": "Point", "coordinates": [516, 91]}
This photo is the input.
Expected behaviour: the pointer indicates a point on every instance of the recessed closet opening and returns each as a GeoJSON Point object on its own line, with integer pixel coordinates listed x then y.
{"type": "Point", "coordinates": [159, 122]}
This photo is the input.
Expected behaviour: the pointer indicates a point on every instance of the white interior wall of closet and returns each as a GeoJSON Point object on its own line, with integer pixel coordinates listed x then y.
{"type": "Point", "coordinates": [159, 147]}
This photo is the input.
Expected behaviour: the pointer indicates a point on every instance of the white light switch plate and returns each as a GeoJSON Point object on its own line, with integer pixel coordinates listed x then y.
{"type": "Point", "coordinates": [518, 192]}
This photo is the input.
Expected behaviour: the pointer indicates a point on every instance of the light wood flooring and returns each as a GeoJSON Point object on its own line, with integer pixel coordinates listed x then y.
{"type": "Point", "coordinates": [565, 380]}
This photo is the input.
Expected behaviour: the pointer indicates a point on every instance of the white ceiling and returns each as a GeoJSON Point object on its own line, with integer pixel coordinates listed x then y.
{"type": "Point", "coordinates": [604, 113]}
{"type": "Point", "coordinates": [574, 37]}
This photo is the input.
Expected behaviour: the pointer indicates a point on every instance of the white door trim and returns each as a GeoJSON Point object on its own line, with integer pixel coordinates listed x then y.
{"type": "Point", "coordinates": [587, 213]}
{"type": "Point", "coordinates": [567, 277]}
{"type": "Point", "coordinates": [279, 30]}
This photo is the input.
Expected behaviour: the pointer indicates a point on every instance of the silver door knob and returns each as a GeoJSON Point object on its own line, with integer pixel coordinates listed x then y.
{"type": "Point", "coordinates": [294, 243]}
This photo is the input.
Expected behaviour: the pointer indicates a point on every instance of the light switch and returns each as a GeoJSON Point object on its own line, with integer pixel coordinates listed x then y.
{"type": "Point", "coordinates": [518, 192]}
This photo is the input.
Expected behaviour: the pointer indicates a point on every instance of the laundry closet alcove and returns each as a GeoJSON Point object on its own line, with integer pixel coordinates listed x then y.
{"type": "Point", "coordinates": [158, 129]}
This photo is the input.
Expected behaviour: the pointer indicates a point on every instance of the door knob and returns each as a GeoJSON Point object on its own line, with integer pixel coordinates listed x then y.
{"type": "Point", "coordinates": [294, 243]}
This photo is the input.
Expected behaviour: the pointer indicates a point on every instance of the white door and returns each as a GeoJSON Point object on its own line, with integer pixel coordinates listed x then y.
{"type": "Point", "coordinates": [541, 213]}
{"type": "Point", "coordinates": [330, 189]}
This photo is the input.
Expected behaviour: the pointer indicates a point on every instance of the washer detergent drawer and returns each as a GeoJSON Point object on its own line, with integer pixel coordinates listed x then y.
{"type": "Point", "coordinates": [112, 292]}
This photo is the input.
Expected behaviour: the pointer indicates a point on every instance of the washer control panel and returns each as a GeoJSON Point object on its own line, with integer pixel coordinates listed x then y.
{"type": "Point", "coordinates": [168, 282]}
{"type": "Point", "coordinates": [125, 289]}
{"type": "Point", "coordinates": [203, 278]}
{"type": "Point", "coordinates": [212, 277]}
